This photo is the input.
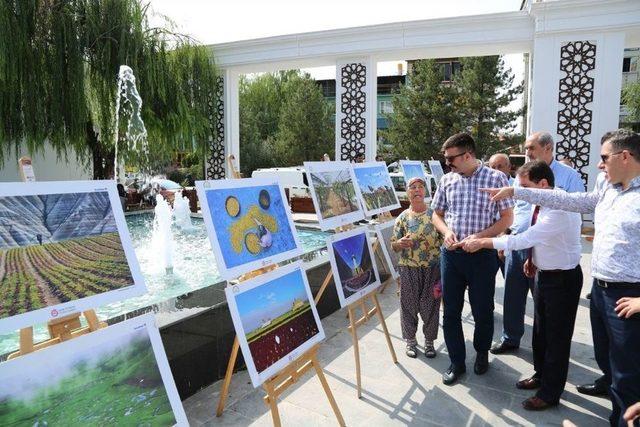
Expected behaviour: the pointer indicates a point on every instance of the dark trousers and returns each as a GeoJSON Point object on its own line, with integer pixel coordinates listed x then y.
{"type": "Point", "coordinates": [477, 270]}
{"type": "Point", "coordinates": [516, 288]}
{"type": "Point", "coordinates": [620, 339]}
{"type": "Point", "coordinates": [556, 296]}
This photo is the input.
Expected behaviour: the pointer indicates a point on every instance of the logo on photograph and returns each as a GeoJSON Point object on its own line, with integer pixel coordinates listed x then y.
{"type": "Point", "coordinates": [235, 289]}
{"type": "Point", "coordinates": [54, 313]}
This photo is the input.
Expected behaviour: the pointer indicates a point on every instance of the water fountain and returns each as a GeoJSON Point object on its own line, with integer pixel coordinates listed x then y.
{"type": "Point", "coordinates": [162, 238]}
{"type": "Point", "coordinates": [182, 213]}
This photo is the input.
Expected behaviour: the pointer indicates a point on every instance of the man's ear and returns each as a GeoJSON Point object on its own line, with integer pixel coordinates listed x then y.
{"type": "Point", "coordinates": [544, 183]}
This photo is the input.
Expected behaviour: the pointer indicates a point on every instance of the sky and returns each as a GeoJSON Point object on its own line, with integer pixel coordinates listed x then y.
{"type": "Point", "coordinates": [349, 248]}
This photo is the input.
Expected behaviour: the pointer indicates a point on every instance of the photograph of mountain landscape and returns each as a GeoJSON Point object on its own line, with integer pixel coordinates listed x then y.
{"type": "Point", "coordinates": [58, 248]}
{"type": "Point", "coordinates": [334, 194]}
{"type": "Point", "coordinates": [115, 376]}
{"type": "Point", "coordinates": [375, 188]}
{"type": "Point", "coordinates": [275, 320]}
{"type": "Point", "coordinates": [354, 272]}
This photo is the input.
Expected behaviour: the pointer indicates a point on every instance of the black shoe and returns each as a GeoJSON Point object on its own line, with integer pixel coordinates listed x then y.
{"type": "Point", "coordinates": [503, 347]}
{"type": "Point", "coordinates": [452, 374]}
{"type": "Point", "coordinates": [482, 363]}
{"type": "Point", "coordinates": [595, 389]}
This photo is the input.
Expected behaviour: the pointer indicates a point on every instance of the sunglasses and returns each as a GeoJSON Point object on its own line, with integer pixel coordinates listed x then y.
{"type": "Point", "coordinates": [448, 159]}
{"type": "Point", "coordinates": [605, 157]}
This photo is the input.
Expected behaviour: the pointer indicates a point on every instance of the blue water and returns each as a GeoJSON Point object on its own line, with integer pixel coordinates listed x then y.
{"type": "Point", "coordinates": [194, 268]}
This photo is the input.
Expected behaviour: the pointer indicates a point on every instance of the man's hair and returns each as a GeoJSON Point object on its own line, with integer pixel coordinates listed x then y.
{"type": "Point", "coordinates": [624, 139]}
{"type": "Point", "coordinates": [460, 140]}
{"type": "Point", "coordinates": [544, 139]}
{"type": "Point", "coordinates": [537, 170]}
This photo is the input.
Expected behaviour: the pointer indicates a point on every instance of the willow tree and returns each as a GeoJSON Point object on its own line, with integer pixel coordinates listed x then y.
{"type": "Point", "coordinates": [59, 62]}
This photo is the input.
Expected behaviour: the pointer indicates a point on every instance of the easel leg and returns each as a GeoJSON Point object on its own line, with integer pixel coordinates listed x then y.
{"type": "Point", "coordinates": [224, 392]}
{"type": "Point", "coordinates": [273, 404]}
{"type": "Point", "coordinates": [384, 327]}
{"type": "Point", "coordinates": [323, 286]}
{"type": "Point", "coordinates": [327, 390]}
{"type": "Point", "coordinates": [356, 349]}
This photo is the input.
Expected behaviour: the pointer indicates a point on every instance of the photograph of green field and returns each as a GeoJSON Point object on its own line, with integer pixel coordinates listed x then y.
{"type": "Point", "coordinates": [58, 248]}
{"type": "Point", "coordinates": [116, 382]}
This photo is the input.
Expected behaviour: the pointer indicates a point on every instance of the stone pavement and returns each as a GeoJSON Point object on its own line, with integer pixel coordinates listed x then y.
{"type": "Point", "coordinates": [411, 392]}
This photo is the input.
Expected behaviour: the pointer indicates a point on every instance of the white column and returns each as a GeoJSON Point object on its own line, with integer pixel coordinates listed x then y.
{"type": "Point", "coordinates": [355, 108]}
{"type": "Point", "coordinates": [575, 93]}
{"type": "Point", "coordinates": [232, 117]}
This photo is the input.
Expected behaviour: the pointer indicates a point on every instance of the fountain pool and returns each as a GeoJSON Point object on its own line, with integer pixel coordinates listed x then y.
{"type": "Point", "coordinates": [194, 268]}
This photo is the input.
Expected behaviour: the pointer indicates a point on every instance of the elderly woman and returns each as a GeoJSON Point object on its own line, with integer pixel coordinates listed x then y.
{"type": "Point", "coordinates": [418, 243]}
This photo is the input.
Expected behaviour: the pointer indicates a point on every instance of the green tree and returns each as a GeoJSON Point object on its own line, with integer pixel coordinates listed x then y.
{"type": "Point", "coordinates": [631, 98]}
{"type": "Point", "coordinates": [423, 113]}
{"type": "Point", "coordinates": [484, 90]}
{"type": "Point", "coordinates": [305, 128]}
{"type": "Point", "coordinates": [59, 62]}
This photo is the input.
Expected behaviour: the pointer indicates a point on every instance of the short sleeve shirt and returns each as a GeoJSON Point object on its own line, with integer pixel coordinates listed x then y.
{"type": "Point", "coordinates": [427, 241]}
{"type": "Point", "coordinates": [467, 210]}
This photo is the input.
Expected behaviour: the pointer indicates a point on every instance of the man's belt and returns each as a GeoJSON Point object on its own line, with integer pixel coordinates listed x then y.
{"type": "Point", "coordinates": [616, 285]}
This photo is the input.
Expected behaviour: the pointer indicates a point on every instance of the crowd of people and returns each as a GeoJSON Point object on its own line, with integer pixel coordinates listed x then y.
{"type": "Point", "coordinates": [482, 220]}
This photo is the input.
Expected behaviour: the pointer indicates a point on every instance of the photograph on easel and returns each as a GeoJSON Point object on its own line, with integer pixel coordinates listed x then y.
{"type": "Point", "coordinates": [275, 320]}
{"type": "Point", "coordinates": [63, 249]}
{"type": "Point", "coordinates": [115, 376]}
{"type": "Point", "coordinates": [384, 232]}
{"type": "Point", "coordinates": [249, 224]}
{"type": "Point", "coordinates": [412, 169]}
{"type": "Point", "coordinates": [374, 187]}
{"type": "Point", "coordinates": [333, 191]}
{"type": "Point", "coordinates": [354, 271]}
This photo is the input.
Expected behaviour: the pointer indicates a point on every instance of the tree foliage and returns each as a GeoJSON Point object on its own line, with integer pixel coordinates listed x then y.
{"type": "Point", "coordinates": [284, 120]}
{"type": "Point", "coordinates": [59, 63]}
{"type": "Point", "coordinates": [631, 99]}
{"type": "Point", "coordinates": [428, 111]}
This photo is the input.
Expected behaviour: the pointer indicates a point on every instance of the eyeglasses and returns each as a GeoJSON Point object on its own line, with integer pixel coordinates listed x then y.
{"type": "Point", "coordinates": [605, 157]}
{"type": "Point", "coordinates": [448, 159]}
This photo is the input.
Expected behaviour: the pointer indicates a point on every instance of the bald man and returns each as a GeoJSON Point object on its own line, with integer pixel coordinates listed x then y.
{"type": "Point", "coordinates": [501, 162]}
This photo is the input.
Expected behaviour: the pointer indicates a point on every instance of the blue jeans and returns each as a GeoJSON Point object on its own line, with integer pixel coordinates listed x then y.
{"type": "Point", "coordinates": [478, 270]}
{"type": "Point", "coordinates": [516, 288]}
{"type": "Point", "coordinates": [620, 339]}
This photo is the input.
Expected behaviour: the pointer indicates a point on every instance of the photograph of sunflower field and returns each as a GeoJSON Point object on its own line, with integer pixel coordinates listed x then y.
{"type": "Point", "coordinates": [109, 377]}
{"type": "Point", "coordinates": [56, 248]}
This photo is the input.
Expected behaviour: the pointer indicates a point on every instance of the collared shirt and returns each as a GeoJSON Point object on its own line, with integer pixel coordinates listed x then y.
{"type": "Point", "coordinates": [467, 210]}
{"type": "Point", "coordinates": [555, 239]}
{"type": "Point", "coordinates": [565, 178]}
{"type": "Point", "coordinates": [616, 243]}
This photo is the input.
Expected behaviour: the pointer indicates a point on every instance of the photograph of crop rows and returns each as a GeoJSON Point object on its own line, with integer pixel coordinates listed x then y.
{"type": "Point", "coordinates": [116, 382]}
{"type": "Point", "coordinates": [277, 318]}
{"type": "Point", "coordinates": [336, 193]}
{"type": "Point", "coordinates": [57, 248]}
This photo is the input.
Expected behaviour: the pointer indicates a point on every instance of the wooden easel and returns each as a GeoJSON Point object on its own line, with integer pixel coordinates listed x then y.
{"type": "Point", "coordinates": [367, 313]}
{"type": "Point", "coordinates": [64, 328]}
{"type": "Point", "coordinates": [277, 384]}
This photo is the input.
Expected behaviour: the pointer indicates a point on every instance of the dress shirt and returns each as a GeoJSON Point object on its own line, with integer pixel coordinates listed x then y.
{"type": "Point", "coordinates": [467, 210]}
{"type": "Point", "coordinates": [616, 243]}
{"type": "Point", "coordinates": [565, 178]}
{"type": "Point", "coordinates": [555, 239]}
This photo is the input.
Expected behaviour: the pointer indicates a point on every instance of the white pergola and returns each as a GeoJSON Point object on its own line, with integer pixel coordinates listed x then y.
{"type": "Point", "coordinates": [575, 46]}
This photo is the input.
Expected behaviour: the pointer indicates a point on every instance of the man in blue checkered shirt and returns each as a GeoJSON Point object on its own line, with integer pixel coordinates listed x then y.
{"type": "Point", "coordinates": [461, 212]}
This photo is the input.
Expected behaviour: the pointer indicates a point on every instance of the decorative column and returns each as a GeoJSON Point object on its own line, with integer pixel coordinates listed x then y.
{"type": "Point", "coordinates": [575, 94]}
{"type": "Point", "coordinates": [215, 167]}
{"type": "Point", "coordinates": [356, 91]}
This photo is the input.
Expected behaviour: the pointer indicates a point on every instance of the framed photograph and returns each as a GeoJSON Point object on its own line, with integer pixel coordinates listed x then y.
{"type": "Point", "coordinates": [249, 224]}
{"type": "Point", "coordinates": [412, 169]}
{"type": "Point", "coordinates": [354, 270]}
{"type": "Point", "coordinates": [384, 232]}
{"type": "Point", "coordinates": [436, 170]}
{"type": "Point", "coordinates": [114, 376]}
{"type": "Point", "coordinates": [374, 187]}
{"type": "Point", "coordinates": [275, 320]}
{"type": "Point", "coordinates": [64, 248]}
{"type": "Point", "coordinates": [334, 193]}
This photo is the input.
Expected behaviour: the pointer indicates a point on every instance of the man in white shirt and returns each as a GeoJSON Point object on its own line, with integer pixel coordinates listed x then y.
{"type": "Point", "coordinates": [554, 239]}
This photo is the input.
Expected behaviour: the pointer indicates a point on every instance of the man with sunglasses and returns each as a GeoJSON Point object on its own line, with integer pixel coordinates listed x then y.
{"type": "Point", "coordinates": [615, 260]}
{"type": "Point", "coordinates": [460, 213]}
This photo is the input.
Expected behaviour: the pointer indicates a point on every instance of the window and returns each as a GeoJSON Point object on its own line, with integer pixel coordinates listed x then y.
{"type": "Point", "coordinates": [386, 107]}
{"type": "Point", "coordinates": [626, 65]}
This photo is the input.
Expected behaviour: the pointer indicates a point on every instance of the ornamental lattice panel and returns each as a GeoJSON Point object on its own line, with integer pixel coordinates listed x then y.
{"type": "Point", "coordinates": [216, 155]}
{"type": "Point", "coordinates": [353, 106]}
{"type": "Point", "coordinates": [577, 59]}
